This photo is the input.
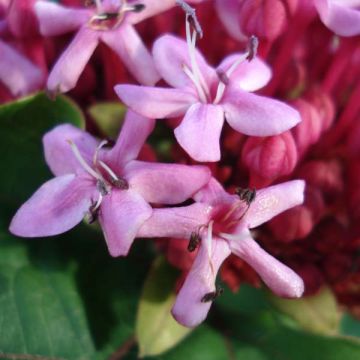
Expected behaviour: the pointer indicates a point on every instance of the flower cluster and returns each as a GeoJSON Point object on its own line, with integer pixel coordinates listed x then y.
{"type": "Point", "coordinates": [276, 140]}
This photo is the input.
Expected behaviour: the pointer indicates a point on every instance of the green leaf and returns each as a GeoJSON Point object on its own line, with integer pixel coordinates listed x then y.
{"type": "Point", "coordinates": [156, 329]}
{"type": "Point", "coordinates": [203, 343]}
{"type": "Point", "coordinates": [108, 116]}
{"type": "Point", "coordinates": [318, 313]}
{"type": "Point", "coordinates": [275, 338]}
{"type": "Point", "coordinates": [22, 123]}
{"type": "Point", "coordinates": [350, 326]}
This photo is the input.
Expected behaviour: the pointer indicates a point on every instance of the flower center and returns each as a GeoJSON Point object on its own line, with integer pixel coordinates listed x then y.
{"type": "Point", "coordinates": [110, 13]}
{"type": "Point", "coordinates": [105, 177]}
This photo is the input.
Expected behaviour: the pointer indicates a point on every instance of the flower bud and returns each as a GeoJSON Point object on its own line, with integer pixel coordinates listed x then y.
{"type": "Point", "coordinates": [308, 131]}
{"type": "Point", "coordinates": [269, 158]}
{"type": "Point", "coordinates": [265, 18]}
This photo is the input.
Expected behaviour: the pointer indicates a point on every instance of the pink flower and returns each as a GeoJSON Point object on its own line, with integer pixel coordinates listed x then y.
{"type": "Point", "coordinates": [111, 21]}
{"type": "Point", "coordinates": [340, 16]}
{"type": "Point", "coordinates": [223, 223]}
{"type": "Point", "coordinates": [108, 184]}
{"type": "Point", "coordinates": [208, 96]}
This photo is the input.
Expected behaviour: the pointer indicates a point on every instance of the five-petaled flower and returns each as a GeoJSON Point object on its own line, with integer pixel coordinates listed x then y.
{"type": "Point", "coordinates": [223, 223]}
{"type": "Point", "coordinates": [208, 96]}
{"type": "Point", "coordinates": [108, 184]}
{"type": "Point", "coordinates": [110, 21]}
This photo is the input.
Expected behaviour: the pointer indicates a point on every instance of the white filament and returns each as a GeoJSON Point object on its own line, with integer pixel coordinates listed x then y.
{"type": "Point", "coordinates": [110, 172]}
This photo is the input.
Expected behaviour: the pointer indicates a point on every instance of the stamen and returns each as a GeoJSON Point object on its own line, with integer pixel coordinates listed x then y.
{"type": "Point", "coordinates": [191, 17]}
{"type": "Point", "coordinates": [96, 154]}
{"type": "Point", "coordinates": [252, 47]}
{"type": "Point", "coordinates": [115, 180]}
{"type": "Point", "coordinates": [134, 8]}
{"type": "Point", "coordinates": [102, 188]}
{"type": "Point", "coordinates": [199, 89]}
{"type": "Point", "coordinates": [211, 296]}
{"type": "Point", "coordinates": [232, 237]}
{"type": "Point", "coordinates": [108, 170]}
{"type": "Point", "coordinates": [249, 55]}
{"type": "Point", "coordinates": [82, 161]}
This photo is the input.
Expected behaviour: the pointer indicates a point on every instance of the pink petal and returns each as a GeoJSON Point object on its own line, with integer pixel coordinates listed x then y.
{"type": "Point", "coordinates": [56, 207]}
{"type": "Point", "coordinates": [188, 309]}
{"type": "Point", "coordinates": [171, 54]}
{"type": "Point", "coordinates": [228, 12]}
{"type": "Point", "coordinates": [212, 193]}
{"type": "Point", "coordinates": [133, 135]}
{"type": "Point", "coordinates": [256, 115]}
{"type": "Point", "coordinates": [248, 75]}
{"type": "Point", "coordinates": [178, 222]}
{"type": "Point", "coordinates": [166, 183]}
{"type": "Point", "coordinates": [155, 103]}
{"type": "Point", "coordinates": [121, 215]}
{"type": "Point", "coordinates": [58, 154]}
{"type": "Point", "coordinates": [278, 277]}
{"type": "Point", "coordinates": [342, 17]}
{"type": "Point", "coordinates": [69, 66]}
{"type": "Point", "coordinates": [55, 19]}
{"type": "Point", "coordinates": [126, 42]}
{"type": "Point", "coordinates": [199, 132]}
{"type": "Point", "coordinates": [18, 74]}
{"type": "Point", "coordinates": [274, 200]}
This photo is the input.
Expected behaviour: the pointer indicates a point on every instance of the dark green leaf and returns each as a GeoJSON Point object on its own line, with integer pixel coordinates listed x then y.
{"type": "Point", "coordinates": [22, 124]}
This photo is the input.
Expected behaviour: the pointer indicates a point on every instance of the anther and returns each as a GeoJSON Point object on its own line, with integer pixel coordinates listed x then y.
{"type": "Point", "coordinates": [138, 8]}
{"type": "Point", "coordinates": [120, 183]}
{"type": "Point", "coordinates": [194, 241]}
{"type": "Point", "coordinates": [93, 213]}
{"type": "Point", "coordinates": [252, 47]}
{"type": "Point", "coordinates": [102, 188]}
{"type": "Point", "coordinates": [211, 296]}
{"type": "Point", "coordinates": [191, 17]}
{"type": "Point", "coordinates": [222, 77]}
{"type": "Point", "coordinates": [247, 195]}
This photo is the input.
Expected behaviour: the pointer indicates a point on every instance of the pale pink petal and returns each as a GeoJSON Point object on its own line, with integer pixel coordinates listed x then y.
{"type": "Point", "coordinates": [274, 200]}
{"type": "Point", "coordinates": [133, 135]}
{"type": "Point", "coordinates": [156, 103]}
{"type": "Point", "coordinates": [342, 17]}
{"type": "Point", "coordinates": [188, 309]}
{"type": "Point", "coordinates": [126, 42]}
{"type": "Point", "coordinates": [18, 74]}
{"type": "Point", "coordinates": [213, 193]}
{"type": "Point", "coordinates": [228, 12]}
{"type": "Point", "coordinates": [121, 215]}
{"type": "Point", "coordinates": [278, 277]}
{"type": "Point", "coordinates": [178, 222]}
{"type": "Point", "coordinates": [199, 132]}
{"type": "Point", "coordinates": [58, 154]}
{"type": "Point", "coordinates": [248, 75]}
{"type": "Point", "coordinates": [68, 68]}
{"type": "Point", "coordinates": [55, 19]}
{"type": "Point", "coordinates": [256, 115]}
{"type": "Point", "coordinates": [56, 207]}
{"type": "Point", "coordinates": [171, 54]}
{"type": "Point", "coordinates": [166, 183]}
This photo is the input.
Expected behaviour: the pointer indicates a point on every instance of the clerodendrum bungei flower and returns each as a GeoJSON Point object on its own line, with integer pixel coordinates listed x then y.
{"type": "Point", "coordinates": [108, 184]}
{"type": "Point", "coordinates": [208, 96]}
{"type": "Point", "coordinates": [111, 21]}
{"type": "Point", "coordinates": [223, 224]}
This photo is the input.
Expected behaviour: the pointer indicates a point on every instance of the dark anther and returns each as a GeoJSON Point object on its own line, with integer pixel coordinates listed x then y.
{"type": "Point", "coordinates": [138, 8]}
{"type": "Point", "coordinates": [247, 195]}
{"type": "Point", "coordinates": [120, 183]}
{"type": "Point", "coordinates": [101, 186]}
{"type": "Point", "coordinates": [252, 47]}
{"type": "Point", "coordinates": [211, 296]}
{"type": "Point", "coordinates": [222, 77]}
{"type": "Point", "coordinates": [194, 241]}
{"type": "Point", "coordinates": [93, 213]}
{"type": "Point", "coordinates": [191, 17]}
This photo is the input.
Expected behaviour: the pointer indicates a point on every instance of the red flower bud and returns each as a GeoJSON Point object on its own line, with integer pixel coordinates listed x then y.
{"type": "Point", "coordinates": [269, 158]}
